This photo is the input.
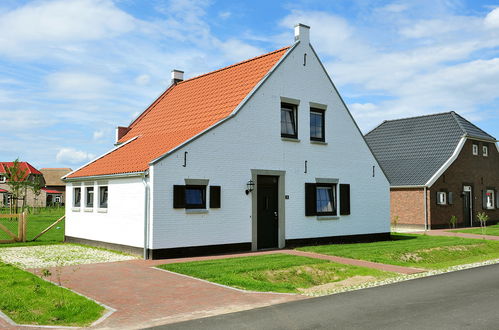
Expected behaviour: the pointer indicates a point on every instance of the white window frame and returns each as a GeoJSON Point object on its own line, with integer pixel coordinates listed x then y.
{"type": "Point", "coordinates": [86, 206]}
{"type": "Point", "coordinates": [475, 149]}
{"type": "Point", "coordinates": [485, 151]}
{"type": "Point", "coordinates": [441, 198]}
{"type": "Point", "coordinates": [3, 178]}
{"type": "Point", "coordinates": [75, 207]}
{"type": "Point", "coordinates": [490, 202]}
{"type": "Point", "coordinates": [101, 208]}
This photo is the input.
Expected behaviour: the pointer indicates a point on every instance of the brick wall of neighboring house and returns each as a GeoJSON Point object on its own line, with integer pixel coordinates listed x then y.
{"type": "Point", "coordinates": [407, 204]}
{"type": "Point", "coordinates": [30, 197]}
{"type": "Point", "coordinates": [479, 172]}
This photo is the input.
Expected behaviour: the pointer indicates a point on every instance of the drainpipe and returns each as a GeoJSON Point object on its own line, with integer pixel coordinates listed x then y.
{"type": "Point", "coordinates": [146, 216]}
{"type": "Point", "coordinates": [425, 209]}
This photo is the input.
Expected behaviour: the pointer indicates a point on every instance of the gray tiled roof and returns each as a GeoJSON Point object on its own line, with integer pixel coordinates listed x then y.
{"type": "Point", "coordinates": [411, 150]}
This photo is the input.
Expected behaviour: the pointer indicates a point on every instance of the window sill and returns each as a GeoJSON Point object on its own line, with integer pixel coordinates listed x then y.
{"type": "Point", "coordinates": [101, 210]}
{"type": "Point", "coordinates": [196, 211]}
{"type": "Point", "coordinates": [288, 139]}
{"type": "Point", "coordinates": [318, 142]}
{"type": "Point", "coordinates": [88, 209]}
{"type": "Point", "coordinates": [75, 209]}
{"type": "Point", "coordinates": [328, 217]}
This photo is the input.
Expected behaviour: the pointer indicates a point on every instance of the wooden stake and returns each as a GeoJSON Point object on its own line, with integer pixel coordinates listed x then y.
{"type": "Point", "coordinates": [48, 228]}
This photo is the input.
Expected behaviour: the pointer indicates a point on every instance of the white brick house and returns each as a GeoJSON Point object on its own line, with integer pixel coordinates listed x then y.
{"type": "Point", "coordinates": [261, 154]}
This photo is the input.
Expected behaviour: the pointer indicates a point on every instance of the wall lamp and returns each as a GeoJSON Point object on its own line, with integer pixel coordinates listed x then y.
{"type": "Point", "coordinates": [250, 185]}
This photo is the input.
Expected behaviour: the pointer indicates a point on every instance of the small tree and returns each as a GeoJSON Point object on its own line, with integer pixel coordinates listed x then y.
{"type": "Point", "coordinates": [395, 221]}
{"type": "Point", "coordinates": [453, 221]}
{"type": "Point", "coordinates": [483, 218]}
{"type": "Point", "coordinates": [36, 187]}
{"type": "Point", "coordinates": [17, 183]}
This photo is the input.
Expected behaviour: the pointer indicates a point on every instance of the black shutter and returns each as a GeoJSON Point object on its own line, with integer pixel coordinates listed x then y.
{"type": "Point", "coordinates": [310, 199]}
{"type": "Point", "coordinates": [484, 199]}
{"type": "Point", "coordinates": [344, 199]}
{"type": "Point", "coordinates": [178, 197]}
{"type": "Point", "coordinates": [215, 197]}
{"type": "Point", "coordinates": [450, 198]}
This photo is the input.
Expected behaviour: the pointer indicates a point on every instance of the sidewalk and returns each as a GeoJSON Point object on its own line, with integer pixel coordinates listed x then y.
{"type": "Point", "coordinates": [450, 233]}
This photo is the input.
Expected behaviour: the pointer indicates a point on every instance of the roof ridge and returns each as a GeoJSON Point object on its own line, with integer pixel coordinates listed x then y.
{"type": "Point", "coordinates": [421, 116]}
{"type": "Point", "coordinates": [234, 65]}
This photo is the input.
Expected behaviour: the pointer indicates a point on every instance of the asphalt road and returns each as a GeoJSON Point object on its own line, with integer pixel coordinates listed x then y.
{"type": "Point", "coordinates": [467, 299]}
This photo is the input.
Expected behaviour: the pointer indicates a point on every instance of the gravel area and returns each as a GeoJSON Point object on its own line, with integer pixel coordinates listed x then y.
{"type": "Point", "coordinates": [46, 256]}
{"type": "Point", "coordinates": [403, 278]}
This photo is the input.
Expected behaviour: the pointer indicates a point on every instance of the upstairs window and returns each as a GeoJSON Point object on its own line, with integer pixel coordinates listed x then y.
{"type": "Point", "coordinates": [289, 126]}
{"type": "Point", "coordinates": [485, 151]}
{"type": "Point", "coordinates": [89, 197]}
{"type": "Point", "coordinates": [103, 197]}
{"type": "Point", "coordinates": [475, 149]}
{"type": "Point", "coordinates": [317, 125]}
{"type": "Point", "coordinates": [77, 197]}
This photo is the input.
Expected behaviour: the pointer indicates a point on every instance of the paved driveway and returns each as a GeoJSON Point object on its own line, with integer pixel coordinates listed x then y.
{"type": "Point", "coordinates": [144, 296]}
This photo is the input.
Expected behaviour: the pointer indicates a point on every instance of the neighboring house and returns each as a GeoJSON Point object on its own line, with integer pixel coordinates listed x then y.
{"type": "Point", "coordinates": [54, 187]}
{"type": "Point", "coordinates": [30, 174]}
{"type": "Point", "coordinates": [438, 166]}
{"type": "Point", "coordinates": [257, 155]}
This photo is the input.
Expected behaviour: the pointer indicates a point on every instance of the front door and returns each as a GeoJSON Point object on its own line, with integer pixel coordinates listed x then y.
{"type": "Point", "coordinates": [267, 211]}
{"type": "Point", "coordinates": [467, 203]}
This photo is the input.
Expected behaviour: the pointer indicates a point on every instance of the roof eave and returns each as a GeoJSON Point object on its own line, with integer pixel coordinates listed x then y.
{"type": "Point", "coordinates": [106, 176]}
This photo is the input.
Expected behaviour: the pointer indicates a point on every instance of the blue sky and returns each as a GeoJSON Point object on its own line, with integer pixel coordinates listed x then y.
{"type": "Point", "coordinates": [72, 70]}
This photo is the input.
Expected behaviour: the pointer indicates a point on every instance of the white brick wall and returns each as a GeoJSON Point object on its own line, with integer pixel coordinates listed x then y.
{"type": "Point", "coordinates": [251, 140]}
{"type": "Point", "coordinates": [123, 223]}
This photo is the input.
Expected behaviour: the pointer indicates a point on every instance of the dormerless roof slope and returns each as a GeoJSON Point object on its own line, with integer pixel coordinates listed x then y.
{"type": "Point", "coordinates": [183, 111]}
{"type": "Point", "coordinates": [412, 150]}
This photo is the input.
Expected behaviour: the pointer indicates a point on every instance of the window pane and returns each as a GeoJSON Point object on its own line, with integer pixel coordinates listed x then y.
{"type": "Point", "coordinates": [316, 121]}
{"type": "Point", "coordinates": [77, 197]}
{"type": "Point", "coordinates": [324, 199]}
{"type": "Point", "coordinates": [90, 197]}
{"type": "Point", "coordinates": [194, 197]}
{"type": "Point", "coordinates": [287, 121]}
{"type": "Point", "coordinates": [103, 197]}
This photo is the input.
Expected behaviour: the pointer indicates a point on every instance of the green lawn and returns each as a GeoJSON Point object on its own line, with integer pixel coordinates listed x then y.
{"type": "Point", "coordinates": [489, 230]}
{"type": "Point", "coordinates": [27, 299]}
{"type": "Point", "coordinates": [421, 251]}
{"type": "Point", "coordinates": [273, 272]}
{"type": "Point", "coordinates": [37, 222]}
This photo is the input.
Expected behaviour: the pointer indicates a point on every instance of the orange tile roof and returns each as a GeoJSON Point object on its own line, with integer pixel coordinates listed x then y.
{"type": "Point", "coordinates": [180, 113]}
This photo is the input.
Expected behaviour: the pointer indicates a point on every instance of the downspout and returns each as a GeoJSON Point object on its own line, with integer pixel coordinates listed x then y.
{"type": "Point", "coordinates": [146, 216]}
{"type": "Point", "coordinates": [425, 209]}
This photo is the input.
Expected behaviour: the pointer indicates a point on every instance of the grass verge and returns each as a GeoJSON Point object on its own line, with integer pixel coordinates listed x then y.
{"type": "Point", "coordinates": [421, 251]}
{"type": "Point", "coordinates": [489, 230]}
{"type": "Point", "coordinates": [276, 272]}
{"type": "Point", "coordinates": [27, 299]}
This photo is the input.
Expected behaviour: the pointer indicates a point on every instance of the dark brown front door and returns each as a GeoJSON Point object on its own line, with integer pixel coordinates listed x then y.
{"type": "Point", "coordinates": [268, 207]}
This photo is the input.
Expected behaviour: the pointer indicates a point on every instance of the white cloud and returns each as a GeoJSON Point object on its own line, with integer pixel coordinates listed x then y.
{"type": "Point", "coordinates": [78, 85]}
{"type": "Point", "coordinates": [54, 24]}
{"type": "Point", "coordinates": [224, 14]}
{"type": "Point", "coordinates": [492, 19]}
{"type": "Point", "coordinates": [73, 156]}
{"type": "Point", "coordinates": [143, 79]}
{"type": "Point", "coordinates": [98, 134]}
{"type": "Point", "coordinates": [236, 50]}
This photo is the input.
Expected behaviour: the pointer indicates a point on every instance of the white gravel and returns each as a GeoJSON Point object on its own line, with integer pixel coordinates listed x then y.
{"type": "Point", "coordinates": [45, 256]}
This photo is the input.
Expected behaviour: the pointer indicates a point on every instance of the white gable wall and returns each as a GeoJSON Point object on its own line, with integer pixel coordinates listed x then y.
{"type": "Point", "coordinates": [251, 140]}
{"type": "Point", "coordinates": [123, 223]}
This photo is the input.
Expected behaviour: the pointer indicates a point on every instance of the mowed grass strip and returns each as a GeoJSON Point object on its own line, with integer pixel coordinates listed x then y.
{"type": "Point", "coordinates": [273, 272]}
{"type": "Point", "coordinates": [37, 222]}
{"type": "Point", "coordinates": [27, 299]}
{"type": "Point", "coordinates": [489, 230]}
{"type": "Point", "coordinates": [421, 251]}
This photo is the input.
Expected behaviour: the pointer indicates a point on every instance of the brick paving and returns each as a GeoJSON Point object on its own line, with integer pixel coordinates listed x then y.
{"type": "Point", "coordinates": [145, 296]}
{"type": "Point", "coordinates": [448, 233]}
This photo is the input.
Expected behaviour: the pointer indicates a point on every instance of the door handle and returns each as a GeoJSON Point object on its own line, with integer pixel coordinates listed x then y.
{"type": "Point", "coordinates": [275, 215]}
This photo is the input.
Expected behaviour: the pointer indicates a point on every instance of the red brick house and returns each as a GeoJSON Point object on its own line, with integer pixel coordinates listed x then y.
{"type": "Point", "coordinates": [438, 166]}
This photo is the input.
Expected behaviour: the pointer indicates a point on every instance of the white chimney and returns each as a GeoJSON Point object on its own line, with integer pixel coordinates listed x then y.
{"type": "Point", "coordinates": [302, 33]}
{"type": "Point", "coordinates": [177, 76]}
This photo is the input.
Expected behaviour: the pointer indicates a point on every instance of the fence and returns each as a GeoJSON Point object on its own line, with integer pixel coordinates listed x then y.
{"type": "Point", "coordinates": [21, 228]}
